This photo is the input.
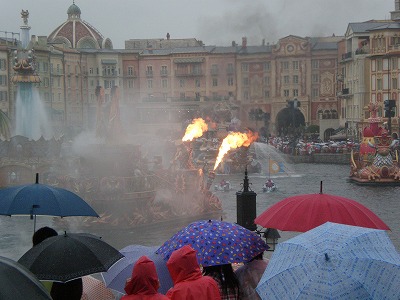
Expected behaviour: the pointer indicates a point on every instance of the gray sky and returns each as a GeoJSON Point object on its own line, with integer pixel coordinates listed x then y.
{"type": "Point", "coordinates": [215, 22]}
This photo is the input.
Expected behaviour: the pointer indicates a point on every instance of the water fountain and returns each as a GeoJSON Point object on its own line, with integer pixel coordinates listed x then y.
{"type": "Point", "coordinates": [31, 118]}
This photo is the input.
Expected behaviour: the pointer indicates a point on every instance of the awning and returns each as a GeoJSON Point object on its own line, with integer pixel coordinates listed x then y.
{"type": "Point", "coordinates": [189, 60]}
{"type": "Point", "coordinates": [109, 61]}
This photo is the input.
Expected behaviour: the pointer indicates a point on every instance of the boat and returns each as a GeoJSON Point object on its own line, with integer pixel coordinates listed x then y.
{"type": "Point", "coordinates": [377, 160]}
{"type": "Point", "coordinates": [269, 186]}
{"type": "Point", "coordinates": [224, 185]}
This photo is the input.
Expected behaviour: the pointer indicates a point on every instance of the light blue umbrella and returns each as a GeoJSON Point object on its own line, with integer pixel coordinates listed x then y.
{"type": "Point", "coordinates": [116, 276]}
{"type": "Point", "coordinates": [333, 261]}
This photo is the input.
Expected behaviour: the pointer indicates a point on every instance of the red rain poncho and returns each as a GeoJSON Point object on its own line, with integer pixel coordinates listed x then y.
{"type": "Point", "coordinates": [144, 282]}
{"type": "Point", "coordinates": [189, 283]}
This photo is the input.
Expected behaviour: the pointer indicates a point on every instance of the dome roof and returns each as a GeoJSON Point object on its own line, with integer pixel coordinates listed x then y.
{"type": "Point", "coordinates": [76, 33]}
{"type": "Point", "coordinates": [74, 10]}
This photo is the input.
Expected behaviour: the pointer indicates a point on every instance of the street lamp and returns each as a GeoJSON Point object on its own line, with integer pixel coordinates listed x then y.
{"type": "Point", "coordinates": [271, 235]}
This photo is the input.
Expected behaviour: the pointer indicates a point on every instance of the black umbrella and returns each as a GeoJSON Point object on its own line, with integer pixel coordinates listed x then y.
{"type": "Point", "coordinates": [69, 256]}
{"type": "Point", "coordinates": [16, 282]}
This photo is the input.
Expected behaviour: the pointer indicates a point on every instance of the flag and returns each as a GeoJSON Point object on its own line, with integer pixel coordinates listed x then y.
{"type": "Point", "coordinates": [276, 167]}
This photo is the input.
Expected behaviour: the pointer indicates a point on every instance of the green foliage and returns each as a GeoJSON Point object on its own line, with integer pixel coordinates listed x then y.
{"type": "Point", "coordinates": [313, 129]}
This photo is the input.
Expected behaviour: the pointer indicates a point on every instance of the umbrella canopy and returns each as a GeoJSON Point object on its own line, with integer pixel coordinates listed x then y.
{"type": "Point", "coordinates": [216, 242]}
{"type": "Point", "coordinates": [16, 282]}
{"type": "Point", "coordinates": [117, 275]}
{"type": "Point", "coordinates": [333, 261]}
{"type": "Point", "coordinates": [65, 257]}
{"type": "Point", "coordinates": [94, 289]}
{"type": "Point", "coordinates": [304, 212]}
{"type": "Point", "coordinates": [40, 199]}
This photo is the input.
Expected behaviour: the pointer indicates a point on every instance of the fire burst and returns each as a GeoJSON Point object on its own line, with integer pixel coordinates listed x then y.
{"type": "Point", "coordinates": [195, 130]}
{"type": "Point", "coordinates": [232, 141]}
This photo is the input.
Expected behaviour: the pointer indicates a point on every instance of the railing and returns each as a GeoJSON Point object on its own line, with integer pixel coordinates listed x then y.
{"type": "Point", "coordinates": [188, 73]}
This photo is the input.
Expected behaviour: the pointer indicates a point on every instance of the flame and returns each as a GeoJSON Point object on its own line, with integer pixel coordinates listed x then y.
{"type": "Point", "coordinates": [195, 130]}
{"type": "Point", "coordinates": [232, 141]}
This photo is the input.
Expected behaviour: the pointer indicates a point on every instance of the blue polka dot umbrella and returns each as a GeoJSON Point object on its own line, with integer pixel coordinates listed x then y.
{"type": "Point", "coordinates": [216, 242]}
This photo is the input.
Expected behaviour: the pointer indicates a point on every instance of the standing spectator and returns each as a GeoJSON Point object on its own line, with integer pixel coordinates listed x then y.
{"type": "Point", "coordinates": [228, 284]}
{"type": "Point", "coordinates": [39, 236]}
{"type": "Point", "coordinates": [189, 283]}
{"type": "Point", "coordinates": [144, 283]}
{"type": "Point", "coordinates": [249, 276]}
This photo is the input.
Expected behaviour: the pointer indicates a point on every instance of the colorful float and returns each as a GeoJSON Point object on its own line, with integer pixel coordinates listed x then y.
{"type": "Point", "coordinates": [377, 160]}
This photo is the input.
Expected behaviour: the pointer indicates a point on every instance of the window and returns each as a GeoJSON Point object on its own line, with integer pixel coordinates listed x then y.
{"type": "Point", "coordinates": [267, 66]}
{"type": "Point", "coordinates": [245, 67]}
{"type": "Point", "coordinates": [286, 79]}
{"type": "Point", "coordinates": [246, 81]}
{"type": "Point", "coordinates": [379, 64]}
{"type": "Point", "coordinates": [3, 80]}
{"type": "Point", "coordinates": [182, 95]}
{"type": "Point", "coordinates": [214, 69]}
{"type": "Point", "coordinates": [315, 93]}
{"type": "Point", "coordinates": [284, 65]}
{"type": "Point", "coordinates": [58, 68]}
{"type": "Point", "coordinates": [230, 69]}
{"type": "Point", "coordinates": [130, 84]}
{"type": "Point", "coordinates": [164, 83]}
{"type": "Point", "coordinates": [266, 94]}
{"type": "Point", "coordinates": [314, 78]}
{"type": "Point", "coordinates": [197, 83]}
{"type": "Point", "coordinates": [295, 79]}
{"type": "Point", "coordinates": [394, 83]}
{"type": "Point", "coordinates": [295, 92]}
{"type": "Point", "coordinates": [314, 64]}
{"type": "Point", "coordinates": [69, 83]}
{"type": "Point", "coordinates": [286, 93]}
{"type": "Point", "coordinates": [3, 64]}
{"type": "Point", "coordinates": [164, 70]}
{"type": "Point", "coordinates": [266, 80]}
{"type": "Point", "coordinates": [149, 71]}
{"type": "Point", "coordinates": [149, 83]}
{"type": "Point", "coordinates": [182, 83]}
{"type": "Point", "coordinates": [295, 65]}
{"type": "Point", "coordinates": [130, 71]}
{"type": "Point", "coordinates": [230, 81]}
{"type": "Point", "coordinates": [214, 82]}
{"type": "Point", "coordinates": [46, 81]}
{"type": "Point", "coordinates": [197, 95]}
{"type": "Point", "coordinates": [379, 84]}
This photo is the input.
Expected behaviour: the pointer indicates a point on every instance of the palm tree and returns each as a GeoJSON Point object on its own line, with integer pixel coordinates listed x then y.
{"type": "Point", "coordinates": [5, 122]}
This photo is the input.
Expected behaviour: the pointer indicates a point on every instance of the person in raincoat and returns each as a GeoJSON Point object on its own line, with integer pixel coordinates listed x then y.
{"type": "Point", "coordinates": [189, 283]}
{"type": "Point", "coordinates": [144, 282]}
{"type": "Point", "coordinates": [228, 284]}
{"type": "Point", "coordinates": [249, 275]}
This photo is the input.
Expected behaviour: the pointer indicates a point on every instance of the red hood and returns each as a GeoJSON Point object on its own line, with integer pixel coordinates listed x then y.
{"type": "Point", "coordinates": [183, 265]}
{"type": "Point", "coordinates": [144, 280]}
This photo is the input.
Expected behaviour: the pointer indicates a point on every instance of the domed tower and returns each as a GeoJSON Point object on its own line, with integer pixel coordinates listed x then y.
{"type": "Point", "coordinates": [76, 33]}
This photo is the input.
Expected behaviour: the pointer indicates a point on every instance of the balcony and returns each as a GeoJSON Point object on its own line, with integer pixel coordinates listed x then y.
{"type": "Point", "coordinates": [188, 73]}
{"type": "Point", "coordinates": [346, 56]}
{"type": "Point", "coordinates": [345, 91]}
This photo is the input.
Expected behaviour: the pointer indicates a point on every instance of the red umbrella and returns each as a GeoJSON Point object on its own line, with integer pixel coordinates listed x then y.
{"type": "Point", "coordinates": [305, 212]}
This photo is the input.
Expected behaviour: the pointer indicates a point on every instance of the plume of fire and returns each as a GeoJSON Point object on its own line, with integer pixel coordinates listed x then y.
{"type": "Point", "coordinates": [195, 130]}
{"type": "Point", "coordinates": [232, 141]}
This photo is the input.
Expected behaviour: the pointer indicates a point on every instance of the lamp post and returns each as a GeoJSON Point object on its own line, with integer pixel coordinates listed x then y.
{"type": "Point", "coordinates": [271, 235]}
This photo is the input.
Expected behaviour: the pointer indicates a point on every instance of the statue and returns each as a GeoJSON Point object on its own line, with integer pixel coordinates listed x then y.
{"type": "Point", "coordinates": [25, 16]}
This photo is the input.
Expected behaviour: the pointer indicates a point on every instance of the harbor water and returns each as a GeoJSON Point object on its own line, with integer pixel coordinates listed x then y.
{"type": "Point", "coordinates": [16, 231]}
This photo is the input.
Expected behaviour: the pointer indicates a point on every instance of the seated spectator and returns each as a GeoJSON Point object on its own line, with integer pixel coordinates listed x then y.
{"type": "Point", "coordinates": [228, 284]}
{"type": "Point", "coordinates": [144, 283]}
{"type": "Point", "coordinates": [189, 283]}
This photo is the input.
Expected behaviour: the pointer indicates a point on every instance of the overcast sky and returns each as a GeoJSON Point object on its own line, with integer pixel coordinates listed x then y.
{"type": "Point", "coordinates": [215, 22]}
